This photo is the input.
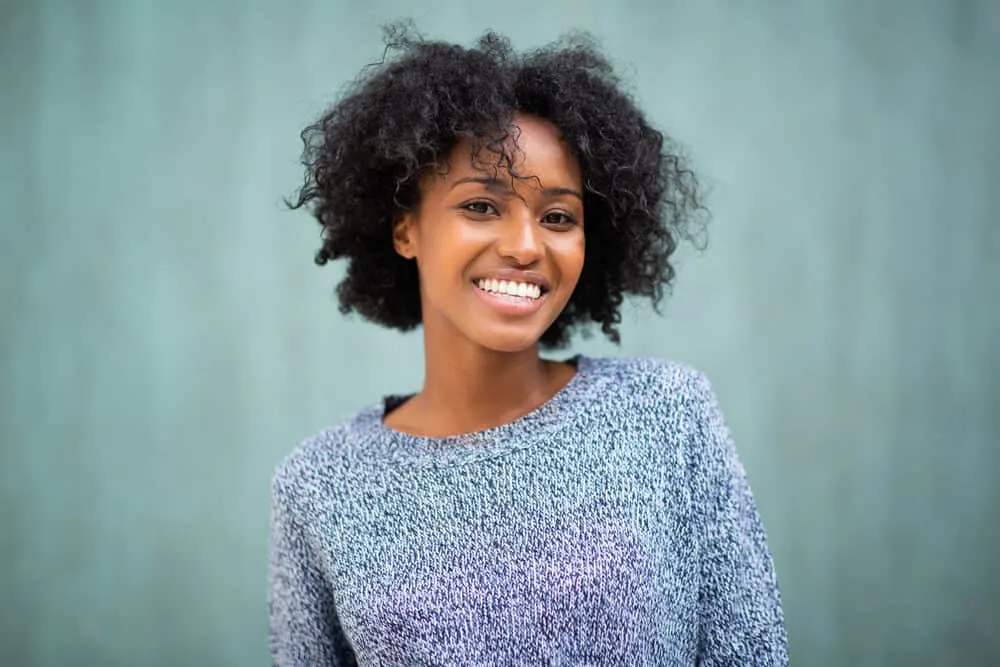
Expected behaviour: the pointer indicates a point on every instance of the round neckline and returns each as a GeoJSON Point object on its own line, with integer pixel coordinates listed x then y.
{"type": "Point", "coordinates": [541, 423]}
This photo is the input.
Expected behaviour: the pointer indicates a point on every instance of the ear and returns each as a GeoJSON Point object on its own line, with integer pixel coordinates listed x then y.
{"type": "Point", "coordinates": [404, 236]}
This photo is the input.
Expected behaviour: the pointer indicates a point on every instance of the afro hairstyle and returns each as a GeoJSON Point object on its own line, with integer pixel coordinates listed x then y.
{"type": "Point", "coordinates": [365, 156]}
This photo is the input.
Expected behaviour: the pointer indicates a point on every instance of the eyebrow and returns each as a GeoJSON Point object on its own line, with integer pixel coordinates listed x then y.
{"type": "Point", "coordinates": [497, 184]}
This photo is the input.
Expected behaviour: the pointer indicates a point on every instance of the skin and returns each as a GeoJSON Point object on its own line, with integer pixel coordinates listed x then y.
{"type": "Point", "coordinates": [482, 365]}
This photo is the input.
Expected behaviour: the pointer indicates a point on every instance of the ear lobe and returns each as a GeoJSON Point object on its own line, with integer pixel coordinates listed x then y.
{"type": "Point", "coordinates": [403, 237]}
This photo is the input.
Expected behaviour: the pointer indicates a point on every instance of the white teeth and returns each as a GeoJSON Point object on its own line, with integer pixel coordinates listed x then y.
{"type": "Point", "coordinates": [510, 288]}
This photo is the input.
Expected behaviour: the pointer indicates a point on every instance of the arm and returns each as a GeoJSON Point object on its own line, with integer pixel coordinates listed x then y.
{"type": "Point", "coordinates": [742, 622]}
{"type": "Point", "coordinates": [303, 626]}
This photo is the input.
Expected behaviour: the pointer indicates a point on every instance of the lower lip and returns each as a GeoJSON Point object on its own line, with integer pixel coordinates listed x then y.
{"type": "Point", "coordinates": [520, 307]}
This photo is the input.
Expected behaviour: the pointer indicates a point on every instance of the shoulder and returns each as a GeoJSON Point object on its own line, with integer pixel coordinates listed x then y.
{"type": "Point", "coordinates": [671, 398]}
{"type": "Point", "coordinates": [307, 470]}
{"type": "Point", "coordinates": [658, 379]}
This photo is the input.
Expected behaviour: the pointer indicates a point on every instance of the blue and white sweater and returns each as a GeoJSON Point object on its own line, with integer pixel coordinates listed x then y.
{"type": "Point", "coordinates": [613, 525]}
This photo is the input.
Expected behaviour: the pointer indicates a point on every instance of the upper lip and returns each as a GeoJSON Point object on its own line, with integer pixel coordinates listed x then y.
{"type": "Point", "coordinates": [531, 277]}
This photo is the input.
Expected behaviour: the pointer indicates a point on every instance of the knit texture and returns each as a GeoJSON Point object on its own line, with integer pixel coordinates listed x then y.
{"type": "Point", "coordinates": [613, 525]}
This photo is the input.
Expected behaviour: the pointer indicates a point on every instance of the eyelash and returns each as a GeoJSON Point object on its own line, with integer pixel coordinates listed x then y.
{"type": "Point", "coordinates": [468, 207]}
{"type": "Point", "coordinates": [568, 220]}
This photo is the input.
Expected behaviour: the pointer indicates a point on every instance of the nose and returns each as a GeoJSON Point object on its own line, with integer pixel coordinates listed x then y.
{"type": "Point", "coordinates": [519, 241]}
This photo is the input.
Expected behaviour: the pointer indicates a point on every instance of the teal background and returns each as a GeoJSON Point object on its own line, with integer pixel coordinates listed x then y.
{"type": "Point", "coordinates": [166, 338]}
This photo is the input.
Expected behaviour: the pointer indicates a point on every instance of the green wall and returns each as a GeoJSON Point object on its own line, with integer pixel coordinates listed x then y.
{"type": "Point", "coordinates": [165, 338]}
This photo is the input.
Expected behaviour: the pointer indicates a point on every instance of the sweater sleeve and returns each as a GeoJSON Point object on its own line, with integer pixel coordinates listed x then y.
{"type": "Point", "coordinates": [742, 622]}
{"type": "Point", "coordinates": [303, 625]}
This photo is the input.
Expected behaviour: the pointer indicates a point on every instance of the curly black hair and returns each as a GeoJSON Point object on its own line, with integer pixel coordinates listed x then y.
{"type": "Point", "coordinates": [364, 158]}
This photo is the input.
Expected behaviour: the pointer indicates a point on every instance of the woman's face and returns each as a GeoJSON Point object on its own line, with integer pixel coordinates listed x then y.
{"type": "Point", "coordinates": [498, 257]}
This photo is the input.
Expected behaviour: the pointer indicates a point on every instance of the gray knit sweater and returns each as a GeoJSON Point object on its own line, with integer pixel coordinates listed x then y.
{"type": "Point", "coordinates": [611, 526]}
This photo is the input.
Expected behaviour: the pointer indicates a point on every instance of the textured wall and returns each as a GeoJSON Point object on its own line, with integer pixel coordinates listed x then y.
{"type": "Point", "coordinates": [166, 339]}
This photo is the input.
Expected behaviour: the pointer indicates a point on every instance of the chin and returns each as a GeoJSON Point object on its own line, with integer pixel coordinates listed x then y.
{"type": "Point", "coordinates": [507, 341]}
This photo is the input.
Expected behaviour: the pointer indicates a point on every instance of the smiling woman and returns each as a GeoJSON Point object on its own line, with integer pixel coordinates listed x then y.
{"type": "Point", "coordinates": [520, 232]}
{"type": "Point", "coordinates": [517, 509]}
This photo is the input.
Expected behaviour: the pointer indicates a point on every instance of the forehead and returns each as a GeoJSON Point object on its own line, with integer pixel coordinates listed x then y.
{"type": "Point", "coordinates": [535, 149]}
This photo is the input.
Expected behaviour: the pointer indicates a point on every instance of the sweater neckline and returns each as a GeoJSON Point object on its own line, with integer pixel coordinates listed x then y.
{"type": "Point", "coordinates": [538, 425]}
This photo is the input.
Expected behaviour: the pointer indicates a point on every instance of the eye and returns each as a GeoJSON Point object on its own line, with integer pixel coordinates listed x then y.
{"type": "Point", "coordinates": [480, 207]}
{"type": "Point", "coordinates": [559, 219]}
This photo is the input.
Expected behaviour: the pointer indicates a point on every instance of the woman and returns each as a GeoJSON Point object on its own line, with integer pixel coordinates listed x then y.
{"type": "Point", "coordinates": [516, 510]}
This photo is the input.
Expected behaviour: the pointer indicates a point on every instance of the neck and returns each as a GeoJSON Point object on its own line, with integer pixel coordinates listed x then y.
{"type": "Point", "coordinates": [468, 388]}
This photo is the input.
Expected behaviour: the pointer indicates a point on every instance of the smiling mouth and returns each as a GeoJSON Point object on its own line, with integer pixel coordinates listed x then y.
{"type": "Point", "coordinates": [516, 292]}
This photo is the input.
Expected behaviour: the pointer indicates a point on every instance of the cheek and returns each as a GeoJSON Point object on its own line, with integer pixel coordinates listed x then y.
{"type": "Point", "coordinates": [569, 251]}
{"type": "Point", "coordinates": [446, 248]}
